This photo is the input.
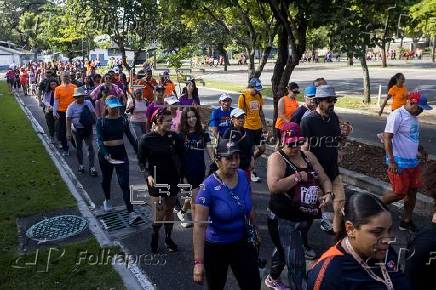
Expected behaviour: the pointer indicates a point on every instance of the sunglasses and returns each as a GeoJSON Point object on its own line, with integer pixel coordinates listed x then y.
{"type": "Point", "coordinates": [296, 144]}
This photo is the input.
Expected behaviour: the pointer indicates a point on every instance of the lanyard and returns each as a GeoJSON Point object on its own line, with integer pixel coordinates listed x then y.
{"type": "Point", "coordinates": [385, 280]}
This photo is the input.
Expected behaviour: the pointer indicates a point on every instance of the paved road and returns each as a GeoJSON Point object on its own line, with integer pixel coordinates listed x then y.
{"type": "Point", "coordinates": [365, 127]}
{"type": "Point", "coordinates": [347, 80]}
{"type": "Point", "coordinates": [176, 273]}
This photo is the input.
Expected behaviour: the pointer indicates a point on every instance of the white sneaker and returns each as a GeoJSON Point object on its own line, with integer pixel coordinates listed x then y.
{"type": "Point", "coordinates": [254, 177]}
{"type": "Point", "coordinates": [107, 205]}
{"type": "Point", "coordinates": [181, 216]}
{"type": "Point", "coordinates": [134, 217]}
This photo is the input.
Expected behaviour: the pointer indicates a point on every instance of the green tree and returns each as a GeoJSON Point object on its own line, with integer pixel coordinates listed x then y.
{"type": "Point", "coordinates": [424, 13]}
{"type": "Point", "coordinates": [130, 23]}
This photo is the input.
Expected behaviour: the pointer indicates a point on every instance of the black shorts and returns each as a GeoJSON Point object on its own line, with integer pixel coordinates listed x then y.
{"type": "Point", "coordinates": [255, 136]}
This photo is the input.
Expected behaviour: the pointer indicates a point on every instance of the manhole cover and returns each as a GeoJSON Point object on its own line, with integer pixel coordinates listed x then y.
{"type": "Point", "coordinates": [57, 228]}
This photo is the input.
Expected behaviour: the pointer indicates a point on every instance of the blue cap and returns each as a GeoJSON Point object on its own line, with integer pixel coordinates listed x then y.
{"type": "Point", "coordinates": [423, 103]}
{"type": "Point", "coordinates": [113, 103]}
{"type": "Point", "coordinates": [256, 84]}
{"type": "Point", "coordinates": [310, 91]}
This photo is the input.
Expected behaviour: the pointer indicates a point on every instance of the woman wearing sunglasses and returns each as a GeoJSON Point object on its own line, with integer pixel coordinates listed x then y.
{"type": "Point", "coordinates": [362, 259]}
{"type": "Point", "coordinates": [294, 179]}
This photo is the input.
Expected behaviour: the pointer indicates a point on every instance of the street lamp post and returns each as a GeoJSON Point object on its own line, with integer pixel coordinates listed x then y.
{"type": "Point", "coordinates": [398, 28]}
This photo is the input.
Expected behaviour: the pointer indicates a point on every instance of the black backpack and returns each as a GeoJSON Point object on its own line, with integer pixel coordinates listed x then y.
{"type": "Point", "coordinates": [87, 120]}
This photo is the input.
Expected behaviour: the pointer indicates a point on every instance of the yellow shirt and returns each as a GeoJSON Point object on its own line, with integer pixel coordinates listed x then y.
{"type": "Point", "coordinates": [399, 97]}
{"type": "Point", "coordinates": [251, 105]}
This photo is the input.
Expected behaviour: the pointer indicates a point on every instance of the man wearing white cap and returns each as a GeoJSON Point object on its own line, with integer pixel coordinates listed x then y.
{"type": "Point", "coordinates": [322, 132]}
{"type": "Point", "coordinates": [237, 133]}
{"type": "Point", "coordinates": [220, 118]}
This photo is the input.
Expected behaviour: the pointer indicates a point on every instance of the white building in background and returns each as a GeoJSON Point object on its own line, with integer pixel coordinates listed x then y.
{"type": "Point", "coordinates": [14, 55]}
{"type": "Point", "coordinates": [103, 55]}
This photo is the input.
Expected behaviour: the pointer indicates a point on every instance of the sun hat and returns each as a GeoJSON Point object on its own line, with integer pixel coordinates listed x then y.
{"type": "Point", "coordinates": [325, 91]}
{"type": "Point", "coordinates": [113, 103]}
{"type": "Point", "coordinates": [79, 92]}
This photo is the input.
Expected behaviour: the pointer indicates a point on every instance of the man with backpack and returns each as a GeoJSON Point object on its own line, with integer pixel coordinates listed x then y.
{"type": "Point", "coordinates": [80, 119]}
{"type": "Point", "coordinates": [251, 103]}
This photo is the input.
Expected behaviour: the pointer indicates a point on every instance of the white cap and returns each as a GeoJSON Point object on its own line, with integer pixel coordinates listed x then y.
{"type": "Point", "coordinates": [224, 97]}
{"type": "Point", "coordinates": [171, 100]}
{"type": "Point", "coordinates": [236, 113]}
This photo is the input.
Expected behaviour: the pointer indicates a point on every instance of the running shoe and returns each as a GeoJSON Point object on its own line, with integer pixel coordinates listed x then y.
{"type": "Point", "coordinates": [154, 245]}
{"type": "Point", "coordinates": [93, 172]}
{"type": "Point", "coordinates": [182, 218]}
{"type": "Point", "coordinates": [407, 226]}
{"type": "Point", "coordinates": [107, 205]}
{"type": "Point", "coordinates": [81, 169]}
{"type": "Point", "coordinates": [134, 217]}
{"type": "Point", "coordinates": [309, 253]}
{"type": "Point", "coordinates": [172, 247]}
{"type": "Point", "coordinates": [275, 284]}
{"type": "Point", "coordinates": [254, 177]}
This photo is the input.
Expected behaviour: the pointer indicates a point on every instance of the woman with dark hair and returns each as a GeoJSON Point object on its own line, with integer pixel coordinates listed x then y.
{"type": "Point", "coordinates": [111, 128]}
{"type": "Point", "coordinates": [97, 80]}
{"type": "Point", "coordinates": [225, 201]}
{"type": "Point", "coordinates": [362, 259]}
{"type": "Point", "coordinates": [189, 95]}
{"type": "Point", "coordinates": [159, 155]}
{"type": "Point", "coordinates": [295, 179]}
{"type": "Point", "coordinates": [397, 91]}
{"type": "Point", "coordinates": [196, 141]}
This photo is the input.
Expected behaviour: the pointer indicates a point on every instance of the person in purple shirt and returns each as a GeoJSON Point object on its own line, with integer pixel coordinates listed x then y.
{"type": "Point", "coordinates": [225, 201]}
{"type": "Point", "coordinates": [189, 95]}
{"type": "Point", "coordinates": [153, 106]}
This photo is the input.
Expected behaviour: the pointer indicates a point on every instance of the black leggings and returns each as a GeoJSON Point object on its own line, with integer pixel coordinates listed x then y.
{"type": "Point", "coordinates": [240, 256]}
{"type": "Point", "coordinates": [122, 171]}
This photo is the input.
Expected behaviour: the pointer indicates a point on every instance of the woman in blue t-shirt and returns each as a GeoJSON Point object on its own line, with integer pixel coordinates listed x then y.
{"type": "Point", "coordinates": [225, 201]}
{"type": "Point", "coordinates": [195, 141]}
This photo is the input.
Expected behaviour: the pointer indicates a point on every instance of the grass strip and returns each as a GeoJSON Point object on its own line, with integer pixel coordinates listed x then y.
{"type": "Point", "coordinates": [31, 184]}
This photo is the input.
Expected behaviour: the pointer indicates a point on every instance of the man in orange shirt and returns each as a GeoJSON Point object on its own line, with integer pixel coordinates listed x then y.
{"type": "Point", "coordinates": [170, 88]}
{"type": "Point", "coordinates": [63, 97]}
{"type": "Point", "coordinates": [149, 84]}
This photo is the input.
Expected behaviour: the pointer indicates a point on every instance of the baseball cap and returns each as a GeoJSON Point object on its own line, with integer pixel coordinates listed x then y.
{"type": "Point", "coordinates": [236, 113]}
{"type": "Point", "coordinates": [113, 103]}
{"type": "Point", "coordinates": [310, 91]}
{"type": "Point", "coordinates": [165, 73]}
{"type": "Point", "coordinates": [116, 70]}
{"type": "Point", "coordinates": [291, 133]}
{"type": "Point", "coordinates": [79, 92]}
{"type": "Point", "coordinates": [255, 83]}
{"type": "Point", "coordinates": [226, 147]}
{"type": "Point", "coordinates": [417, 98]}
{"type": "Point", "coordinates": [224, 97]}
{"type": "Point", "coordinates": [325, 91]}
{"type": "Point", "coordinates": [293, 86]}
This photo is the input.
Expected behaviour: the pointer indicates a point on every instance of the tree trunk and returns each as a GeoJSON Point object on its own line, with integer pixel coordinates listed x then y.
{"type": "Point", "coordinates": [224, 53]}
{"type": "Point", "coordinates": [263, 61]}
{"type": "Point", "coordinates": [366, 80]}
{"type": "Point", "coordinates": [251, 62]}
{"type": "Point", "coordinates": [433, 49]}
{"type": "Point", "coordinates": [383, 51]}
{"type": "Point", "coordinates": [350, 58]}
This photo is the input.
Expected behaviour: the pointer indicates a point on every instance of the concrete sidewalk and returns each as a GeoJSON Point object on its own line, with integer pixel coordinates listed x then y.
{"type": "Point", "coordinates": [174, 270]}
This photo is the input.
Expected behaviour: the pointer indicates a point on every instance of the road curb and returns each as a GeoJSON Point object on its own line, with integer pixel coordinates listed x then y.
{"type": "Point", "coordinates": [375, 186]}
{"type": "Point", "coordinates": [132, 276]}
